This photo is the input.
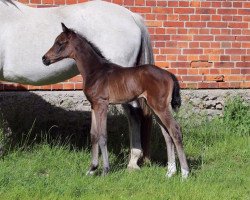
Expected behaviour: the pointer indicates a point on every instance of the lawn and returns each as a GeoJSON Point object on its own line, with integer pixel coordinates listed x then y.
{"type": "Point", "coordinates": [218, 152]}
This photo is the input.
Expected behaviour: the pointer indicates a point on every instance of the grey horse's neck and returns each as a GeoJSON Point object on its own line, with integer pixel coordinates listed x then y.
{"type": "Point", "coordinates": [9, 2]}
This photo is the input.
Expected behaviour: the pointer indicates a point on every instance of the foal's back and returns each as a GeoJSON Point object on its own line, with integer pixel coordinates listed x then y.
{"type": "Point", "coordinates": [126, 84]}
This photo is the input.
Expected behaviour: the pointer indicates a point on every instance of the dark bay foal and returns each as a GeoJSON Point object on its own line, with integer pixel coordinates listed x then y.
{"type": "Point", "coordinates": [106, 83]}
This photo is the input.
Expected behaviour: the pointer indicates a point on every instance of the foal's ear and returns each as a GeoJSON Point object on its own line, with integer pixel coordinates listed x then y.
{"type": "Point", "coordinates": [64, 28]}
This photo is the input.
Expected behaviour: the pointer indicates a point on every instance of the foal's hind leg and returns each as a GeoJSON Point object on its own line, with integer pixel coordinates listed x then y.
{"type": "Point", "coordinates": [173, 128]}
{"type": "Point", "coordinates": [171, 153]}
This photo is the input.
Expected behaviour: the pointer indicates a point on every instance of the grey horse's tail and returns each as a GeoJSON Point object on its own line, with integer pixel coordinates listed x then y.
{"type": "Point", "coordinates": [146, 52]}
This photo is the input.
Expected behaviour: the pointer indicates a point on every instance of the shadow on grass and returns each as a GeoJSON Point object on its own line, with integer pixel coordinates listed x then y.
{"type": "Point", "coordinates": [31, 120]}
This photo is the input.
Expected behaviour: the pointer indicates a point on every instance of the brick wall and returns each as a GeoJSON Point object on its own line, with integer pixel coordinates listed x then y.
{"type": "Point", "coordinates": [205, 43]}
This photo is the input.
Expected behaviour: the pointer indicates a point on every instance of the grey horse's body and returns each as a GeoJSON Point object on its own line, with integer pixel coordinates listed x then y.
{"type": "Point", "coordinates": [26, 33]}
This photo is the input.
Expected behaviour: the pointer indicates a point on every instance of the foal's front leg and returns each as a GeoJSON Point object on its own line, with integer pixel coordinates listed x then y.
{"type": "Point", "coordinates": [99, 135]}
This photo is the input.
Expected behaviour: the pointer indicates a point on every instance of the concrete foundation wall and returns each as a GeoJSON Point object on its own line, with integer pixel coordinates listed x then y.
{"type": "Point", "coordinates": [64, 113]}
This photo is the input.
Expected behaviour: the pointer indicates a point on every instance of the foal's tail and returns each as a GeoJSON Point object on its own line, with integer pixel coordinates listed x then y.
{"type": "Point", "coordinates": [176, 97]}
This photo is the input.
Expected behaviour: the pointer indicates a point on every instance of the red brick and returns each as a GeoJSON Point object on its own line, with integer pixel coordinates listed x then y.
{"type": "Point", "coordinates": [140, 2]}
{"type": "Point", "coordinates": [141, 9]}
{"type": "Point", "coordinates": [181, 37]}
{"type": "Point", "coordinates": [224, 64]}
{"type": "Point", "coordinates": [174, 24]}
{"type": "Point", "coordinates": [205, 44]}
{"type": "Point", "coordinates": [213, 51]}
{"type": "Point", "coordinates": [243, 38]}
{"type": "Point", "coordinates": [237, 18]}
{"type": "Point", "coordinates": [227, 4]}
{"type": "Point", "coordinates": [117, 1]}
{"type": "Point", "coordinates": [214, 71]}
{"type": "Point", "coordinates": [179, 64]}
{"type": "Point", "coordinates": [216, 4]}
{"type": "Point", "coordinates": [195, 24]}
{"type": "Point", "coordinates": [183, 4]}
{"type": "Point", "coordinates": [154, 23]}
{"type": "Point", "coordinates": [235, 51]}
{"type": "Point", "coordinates": [236, 71]}
{"type": "Point", "coordinates": [71, 1]}
{"type": "Point", "coordinates": [224, 38]}
{"type": "Point", "coordinates": [47, 1]}
{"type": "Point", "coordinates": [245, 58]}
{"type": "Point", "coordinates": [203, 37]}
{"type": "Point", "coordinates": [244, 11]}
{"type": "Point", "coordinates": [195, 4]}
{"type": "Point", "coordinates": [182, 58]}
{"type": "Point", "coordinates": [58, 86]}
{"type": "Point", "coordinates": [150, 3]}
{"type": "Point", "coordinates": [35, 1]}
{"type": "Point", "coordinates": [225, 58]}
{"type": "Point", "coordinates": [171, 57]}
{"type": "Point", "coordinates": [172, 17]}
{"type": "Point", "coordinates": [237, 4]}
{"type": "Point", "coordinates": [184, 10]}
{"type": "Point", "coordinates": [172, 3]}
{"type": "Point", "coordinates": [194, 44]}
{"type": "Point", "coordinates": [205, 11]}
{"type": "Point", "coordinates": [217, 24]}
{"type": "Point", "coordinates": [60, 2]}
{"type": "Point", "coordinates": [171, 43]}
{"type": "Point", "coordinates": [182, 71]}
{"type": "Point", "coordinates": [243, 64]}
{"type": "Point", "coordinates": [161, 37]}
{"type": "Point", "coordinates": [162, 10]}
{"type": "Point", "coordinates": [162, 64]}
{"type": "Point", "coordinates": [170, 51]}
{"type": "Point", "coordinates": [245, 71]}
{"type": "Point", "coordinates": [192, 78]}
{"type": "Point", "coordinates": [128, 2]}
{"type": "Point", "coordinates": [193, 71]}
{"type": "Point", "coordinates": [182, 31]}
{"type": "Point", "coordinates": [237, 25]}
{"type": "Point", "coordinates": [184, 17]}
{"type": "Point", "coordinates": [216, 17]}
{"type": "Point", "coordinates": [182, 44]}
{"type": "Point", "coordinates": [200, 64]}
{"type": "Point", "coordinates": [227, 11]}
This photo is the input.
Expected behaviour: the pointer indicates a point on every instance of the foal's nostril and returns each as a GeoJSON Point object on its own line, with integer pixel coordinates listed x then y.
{"type": "Point", "coordinates": [45, 60]}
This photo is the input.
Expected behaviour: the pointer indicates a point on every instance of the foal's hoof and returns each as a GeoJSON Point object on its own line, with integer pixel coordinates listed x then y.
{"type": "Point", "coordinates": [184, 174]}
{"type": "Point", "coordinates": [90, 173]}
{"type": "Point", "coordinates": [105, 171]}
{"type": "Point", "coordinates": [133, 167]}
{"type": "Point", "coordinates": [170, 174]}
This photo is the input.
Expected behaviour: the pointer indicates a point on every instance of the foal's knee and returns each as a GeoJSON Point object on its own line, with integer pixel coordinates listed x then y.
{"type": "Point", "coordinates": [102, 140]}
{"type": "Point", "coordinates": [94, 138]}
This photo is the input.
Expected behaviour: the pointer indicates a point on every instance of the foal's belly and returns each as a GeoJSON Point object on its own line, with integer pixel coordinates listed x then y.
{"type": "Point", "coordinates": [123, 93]}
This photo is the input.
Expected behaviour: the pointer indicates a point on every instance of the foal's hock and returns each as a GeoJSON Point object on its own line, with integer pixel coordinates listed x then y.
{"type": "Point", "coordinates": [106, 83]}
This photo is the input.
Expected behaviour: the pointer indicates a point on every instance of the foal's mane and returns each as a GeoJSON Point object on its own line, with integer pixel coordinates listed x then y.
{"type": "Point", "coordinates": [92, 45]}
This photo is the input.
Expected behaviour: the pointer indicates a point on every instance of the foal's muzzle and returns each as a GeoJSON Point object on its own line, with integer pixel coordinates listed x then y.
{"type": "Point", "coordinates": [46, 61]}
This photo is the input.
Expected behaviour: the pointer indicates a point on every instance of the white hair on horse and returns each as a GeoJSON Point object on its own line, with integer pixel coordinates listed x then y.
{"type": "Point", "coordinates": [26, 33]}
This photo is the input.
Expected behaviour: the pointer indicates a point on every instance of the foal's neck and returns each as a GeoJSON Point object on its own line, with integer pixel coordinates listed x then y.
{"type": "Point", "coordinates": [87, 59]}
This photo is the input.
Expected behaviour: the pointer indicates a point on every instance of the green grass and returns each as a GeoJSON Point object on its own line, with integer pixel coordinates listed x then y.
{"type": "Point", "coordinates": [218, 152]}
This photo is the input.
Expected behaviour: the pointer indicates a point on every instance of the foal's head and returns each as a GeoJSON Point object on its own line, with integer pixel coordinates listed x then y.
{"type": "Point", "coordinates": [62, 47]}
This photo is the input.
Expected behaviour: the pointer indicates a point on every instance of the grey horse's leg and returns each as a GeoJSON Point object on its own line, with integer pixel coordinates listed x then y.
{"type": "Point", "coordinates": [170, 152]}
{"type": "Point", "coordinates": [132, 111]}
